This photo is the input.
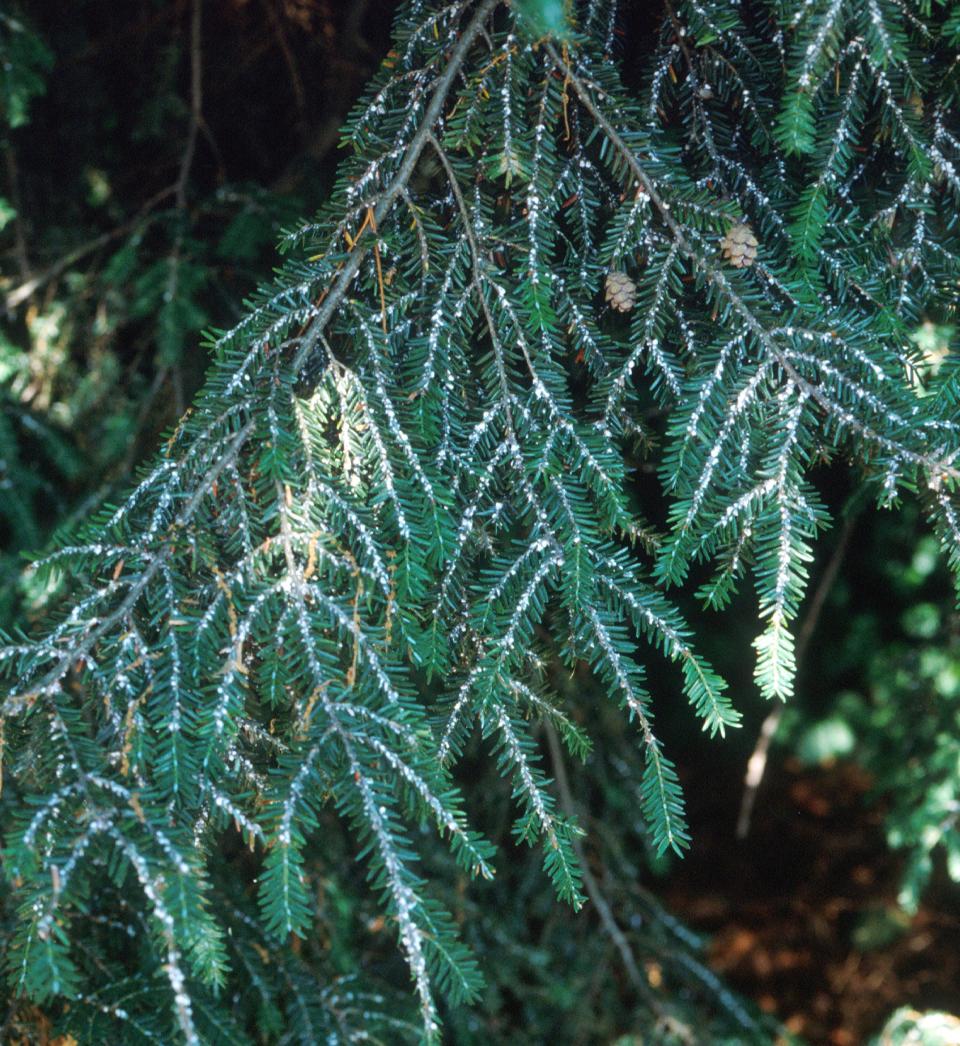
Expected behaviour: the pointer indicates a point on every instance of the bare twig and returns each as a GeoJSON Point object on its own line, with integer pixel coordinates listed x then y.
{"type": "Point", "coordinates": [183, 178]}
{"type": "Point", "coordinates": [20, 294]}
{"type": "Point", "coordinates": [756, 768]}
{"type": "Point", "coordinates": [293, 73]}
{"type": "Point", "coordinates": [20, 244]}
{"type": "Point", "coordinates": [196, 104]}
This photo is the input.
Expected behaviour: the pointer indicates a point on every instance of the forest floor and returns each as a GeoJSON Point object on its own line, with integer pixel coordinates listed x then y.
{"type": "Point", "coordinates": [802, 916]}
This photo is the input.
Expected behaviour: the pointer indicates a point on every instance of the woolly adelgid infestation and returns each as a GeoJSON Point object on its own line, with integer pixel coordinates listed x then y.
{"type": "Point", "coordinates": [398, 499]}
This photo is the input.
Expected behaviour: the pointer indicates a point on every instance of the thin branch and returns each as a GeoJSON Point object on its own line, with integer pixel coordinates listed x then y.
{"type": "Point", "coordinates": [20, 239]}
{"type": "Point", "coordinates": [20, 294]}
{"type": "Point", "coordinates": [196, 104]}
{"type": "Point", "coordinates": [293, 73]}
{"type": "Point", "coordinates": [477, 282]}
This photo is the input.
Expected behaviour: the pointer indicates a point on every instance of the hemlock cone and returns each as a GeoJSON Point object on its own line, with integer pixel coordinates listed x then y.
{"type": "Point", "coordinates": [405, 490]}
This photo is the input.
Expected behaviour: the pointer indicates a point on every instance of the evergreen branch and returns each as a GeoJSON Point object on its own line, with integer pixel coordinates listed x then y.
{"type": "Point", "coordinates": [338, 289]}
{"type": "Point", "coordinates": [406, 499]}
{"type": "Point", "coordinates": [13, 703]}
{"type": "Point", "coordinates": [933, 466]}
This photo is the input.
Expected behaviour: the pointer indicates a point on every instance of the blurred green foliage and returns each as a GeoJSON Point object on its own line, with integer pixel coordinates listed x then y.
{"type": "Point", "coordinates": [900, 718]}
{"type": "Point", "coordinates": [25, 60]}
{"type": "Point", "coordinates": [546, 17]}
{"type": "Point", "coordinates": [114, 260]}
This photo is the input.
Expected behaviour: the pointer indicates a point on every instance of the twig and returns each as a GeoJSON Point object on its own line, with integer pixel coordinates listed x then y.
{"type": "Point", "coordinates": [183, 178]}
{"type": "Point", "coordinates": [477, 278]}
{"type": "Point", "coordinates": [353, 24]}
{"type": "Point", "coordinates": [20, 239]}
{"type": "Point", "coordinates": [196, 105]}
{"type": "Point", "coordinates": [178, 189]}
{"type": "Point", "coordinates": [293, 73]}
{"type": "Point", "coordinates": [20, 294]}
{"type": "Point", "coordinates": [757, 763]}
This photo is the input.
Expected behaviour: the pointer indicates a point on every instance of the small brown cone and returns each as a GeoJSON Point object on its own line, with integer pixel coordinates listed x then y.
{"type": "Point", "coordinates": [620, 291]}
{"type": "Point", "coordinates": [740, 246]}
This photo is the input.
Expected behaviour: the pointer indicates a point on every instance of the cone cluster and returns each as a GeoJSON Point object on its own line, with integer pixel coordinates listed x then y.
{"type": "Point", "coordinates": [620, 291]}
{"type": "Point", "coordinates": [740, 246]}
